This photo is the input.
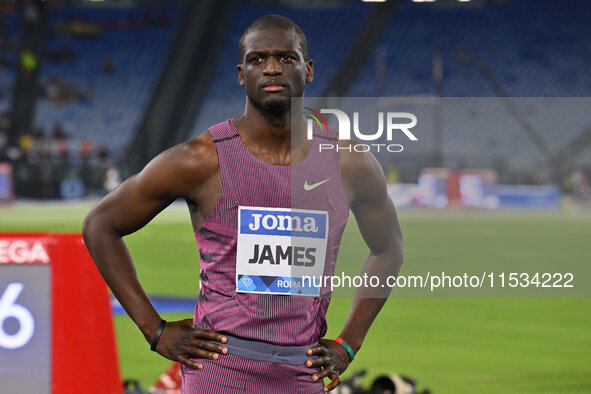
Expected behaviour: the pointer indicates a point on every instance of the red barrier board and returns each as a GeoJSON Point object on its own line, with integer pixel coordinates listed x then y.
{"type": "Point", "coordinates": [58, 334]}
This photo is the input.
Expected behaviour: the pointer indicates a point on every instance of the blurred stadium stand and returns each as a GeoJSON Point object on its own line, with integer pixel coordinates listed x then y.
{"type": "Point", "coordinates": [531, 48]}
{"type": "Point", "coordinates": [110, 103]}
{"type": "Point", "coordinates": [9, 31]}
{"type": "Point", "coordinates": [534, 47]}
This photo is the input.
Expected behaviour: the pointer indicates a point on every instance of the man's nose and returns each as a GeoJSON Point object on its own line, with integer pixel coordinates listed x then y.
{"type": "Point", "coordinates": [272, 66]}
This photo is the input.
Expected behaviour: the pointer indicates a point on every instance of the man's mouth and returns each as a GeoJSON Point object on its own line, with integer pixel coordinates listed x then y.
{"type": "Point", "coordinates": [273, 88]}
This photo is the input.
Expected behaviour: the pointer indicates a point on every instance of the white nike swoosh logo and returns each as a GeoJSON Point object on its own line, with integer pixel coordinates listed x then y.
{"type": "Point", "coordinates": [314, 185]}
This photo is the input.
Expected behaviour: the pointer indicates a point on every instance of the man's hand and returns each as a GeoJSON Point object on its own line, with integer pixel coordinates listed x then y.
{"type": "Point", "coordinates": [332, 357]}
{"type": "Point", "coordinates": [180, 340]}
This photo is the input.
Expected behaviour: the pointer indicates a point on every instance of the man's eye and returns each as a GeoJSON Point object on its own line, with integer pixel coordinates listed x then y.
{"type": "Point", "coordinates": [287, 58]}
{"type": "Point", "coordinates": [256, 59]}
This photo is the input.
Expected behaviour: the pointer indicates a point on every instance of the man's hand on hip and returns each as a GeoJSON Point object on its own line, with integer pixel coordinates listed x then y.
{"type": "Point", "coordinates": [332, 357]}
{"type": "Point", "coordinates": [180, 341]}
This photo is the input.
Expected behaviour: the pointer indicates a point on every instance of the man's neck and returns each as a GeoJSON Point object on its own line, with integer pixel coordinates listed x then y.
{"type": "Point", "coordinates": [262, 123]}
{"type": "Point", "coordinates": [263, 130]}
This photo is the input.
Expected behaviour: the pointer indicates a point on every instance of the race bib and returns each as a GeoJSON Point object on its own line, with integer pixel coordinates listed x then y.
{"type": "Point", "coordinates": [280, 250]}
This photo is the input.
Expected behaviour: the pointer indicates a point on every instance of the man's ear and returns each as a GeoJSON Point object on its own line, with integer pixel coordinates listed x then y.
{"type": "Point", "coordinates": [240, 75]}
{"type": "Point", "coordinates": [310, 71]}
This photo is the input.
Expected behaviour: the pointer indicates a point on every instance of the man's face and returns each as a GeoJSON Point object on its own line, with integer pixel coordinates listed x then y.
{"type": "Point", "coordinates": [273, 68]}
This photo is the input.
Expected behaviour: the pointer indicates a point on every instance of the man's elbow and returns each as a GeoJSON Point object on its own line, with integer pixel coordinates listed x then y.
{"type": "Point", "coordinates": [87, 227]}
{"type": "Point", "coordinates": [92, 226]}
{"type": "Point", "coordinates": [398, 250]}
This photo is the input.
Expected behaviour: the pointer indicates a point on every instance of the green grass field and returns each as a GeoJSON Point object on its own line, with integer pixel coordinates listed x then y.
{"type": "Point", "coordinates": [466, 345]}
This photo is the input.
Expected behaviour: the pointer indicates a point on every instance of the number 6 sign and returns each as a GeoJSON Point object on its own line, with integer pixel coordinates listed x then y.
{"type": "Point", "coordinates": [9, 308]}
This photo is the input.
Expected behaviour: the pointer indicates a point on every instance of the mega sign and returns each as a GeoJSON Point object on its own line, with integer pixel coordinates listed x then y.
{"type": "Point", "coordinates": [23, 251]}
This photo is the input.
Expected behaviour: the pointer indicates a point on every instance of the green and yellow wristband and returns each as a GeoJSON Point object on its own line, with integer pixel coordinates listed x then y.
{"type": "Point", "coordinates": [344, 344]}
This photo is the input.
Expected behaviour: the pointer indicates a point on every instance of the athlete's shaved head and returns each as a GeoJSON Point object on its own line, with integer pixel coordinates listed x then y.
{"type": "Point", "coordinates": [269, 22]}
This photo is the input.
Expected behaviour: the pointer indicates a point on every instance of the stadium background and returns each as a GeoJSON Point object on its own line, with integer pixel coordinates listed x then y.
{"type": "Point", "coordinates": [89, 91]}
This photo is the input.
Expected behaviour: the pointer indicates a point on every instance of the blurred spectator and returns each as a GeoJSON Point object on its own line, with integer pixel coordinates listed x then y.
{"type": "Point", "coordinates": [61, 55]}
{"type": "Point", "coordinates": [112, 179]}
{"type": "Point", "coordinates": [4, 121]}
{"type": "Point", "coordinates": [107, 66]}
{"type": "Point", "coordinates": [59, 91]}
{"type": "Point", "coordinates": [3, 148]}
{"type": "Point", "coordinates": [580, 185]}
{"type": "Point", "coordinates": [101, 167]}
{"type": "Point", "coordinates": [46, 168]}
{"type": "Point", "coordinates": [59, 133]}
{"type": "Point", "coordinates": [77, 28]}
{"type": "Point", "coordinates": [6, 45]}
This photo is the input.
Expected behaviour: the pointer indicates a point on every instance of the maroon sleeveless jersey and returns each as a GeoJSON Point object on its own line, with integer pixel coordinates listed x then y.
{"type": "Point", "coordinates": [271, 225]}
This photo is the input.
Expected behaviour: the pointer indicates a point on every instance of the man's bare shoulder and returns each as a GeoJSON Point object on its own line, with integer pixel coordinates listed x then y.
{"type": "Point", "coordinates": [355, 164]}
{"type": "Point", "coordinates": [361, 174]}
{"type": "Point", "coordinates": [193, 159]}
{"type": "Point", "coordinates": [199, 156]}
{"type": "Point", "coordinates": [183, 167]}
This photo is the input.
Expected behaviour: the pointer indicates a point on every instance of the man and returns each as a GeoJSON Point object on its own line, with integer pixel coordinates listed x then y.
{"type": "Point", "coordinates": [255, 168]}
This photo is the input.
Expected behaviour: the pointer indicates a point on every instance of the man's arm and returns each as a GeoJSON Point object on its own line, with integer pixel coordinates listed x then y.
{"type": "Point", "coordinates": [378, 224]}
{"type": "Point", "coordinates": [365, 186]}
{"type": "Point", "coordinates": [175, 173]}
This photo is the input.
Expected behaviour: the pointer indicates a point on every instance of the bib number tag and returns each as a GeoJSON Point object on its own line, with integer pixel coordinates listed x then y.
{"type": "Point", "coordinates": [280, 250]}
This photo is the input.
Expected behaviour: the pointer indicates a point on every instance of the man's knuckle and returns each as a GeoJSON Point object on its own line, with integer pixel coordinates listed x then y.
{"type": "Point", "coordinates": [197, 332]}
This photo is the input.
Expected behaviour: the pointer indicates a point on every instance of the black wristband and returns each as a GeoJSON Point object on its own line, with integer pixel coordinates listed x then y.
{"type": "Point", "coordinates": [157, 335]}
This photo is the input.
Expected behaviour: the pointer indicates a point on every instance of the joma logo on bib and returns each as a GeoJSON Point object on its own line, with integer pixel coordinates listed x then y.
{"type": "Point", "coordinates": [283, 223]}
{"type": "Point", "coordinates": [278, 246]}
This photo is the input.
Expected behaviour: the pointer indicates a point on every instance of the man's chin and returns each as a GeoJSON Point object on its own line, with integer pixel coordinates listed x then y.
{"type": "Point", "coordinates": [277, 104]}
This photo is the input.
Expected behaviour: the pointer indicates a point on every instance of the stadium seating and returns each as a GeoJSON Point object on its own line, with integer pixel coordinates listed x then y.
{"type": "Point", "coordinates": [114, 107]}
{"type": "Point", "coordinates": [531, 47]}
